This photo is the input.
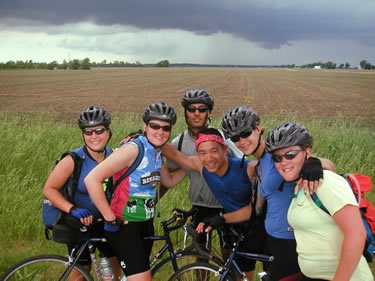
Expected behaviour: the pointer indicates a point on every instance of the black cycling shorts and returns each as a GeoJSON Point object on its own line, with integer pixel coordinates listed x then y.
{"type": "Point", "coordinates": [130, 247]}
{"type": "Point", "coordinates": [96, 230]}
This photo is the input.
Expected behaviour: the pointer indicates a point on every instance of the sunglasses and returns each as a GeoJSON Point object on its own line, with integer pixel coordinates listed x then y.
{"type": "Point", "coordinates": [98, 131]}
{"type": "Point", "coordinates": [201, 109]}
{"type": "Point", "coordinates": [156, 127]}
{"type": "Point", "coordinates": [243, 135]}
{"type": "Point", "coordinates": [288, 156]}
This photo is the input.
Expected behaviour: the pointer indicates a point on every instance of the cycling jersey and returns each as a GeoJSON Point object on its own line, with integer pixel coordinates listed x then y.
{"type": "Point", "coordinates": [134, 198]}
{"type": "Point", "coordinates": [81, 196]}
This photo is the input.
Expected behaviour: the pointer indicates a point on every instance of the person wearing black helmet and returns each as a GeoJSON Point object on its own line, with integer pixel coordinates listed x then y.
{"type": "Point", "coordinates": [241, 124]}
{"type": "Point", "coordinates": [329, 247]}
{"type": "Point", "coordinates": [94, 123]}
{"type": "Point", "coordinates": [130, 215]}
{"type": "Point", "coordinates": [198, 104]}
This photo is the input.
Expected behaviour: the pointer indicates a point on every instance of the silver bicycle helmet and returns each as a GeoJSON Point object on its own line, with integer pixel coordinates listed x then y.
{"type": "Point", "coordinates": [198, 96]}
{"type": "Point", "coordinates": [238, 119]}
{"type": "Point", "coordinates": [159, 111]}
{"type": "Point", "coordinates": [94, 116]}
{"type": "Point", "coordinates": [288, 134]}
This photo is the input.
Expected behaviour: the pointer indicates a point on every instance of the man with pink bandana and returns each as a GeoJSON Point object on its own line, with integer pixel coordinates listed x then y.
{"type": "Point", "coordinates": [230, 180]}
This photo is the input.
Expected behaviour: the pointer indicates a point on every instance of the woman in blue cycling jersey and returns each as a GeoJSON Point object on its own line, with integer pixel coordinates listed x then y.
{"type": "Point", "coordinates": [129, 216]}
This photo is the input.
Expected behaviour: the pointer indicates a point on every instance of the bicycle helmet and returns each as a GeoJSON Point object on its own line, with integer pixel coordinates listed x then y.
{"type": "Point", "coordinates": [198, 96]}
{"type": "Point", "coordinates": [238, 119]}
{"type": "Point", "coordinates": [288, 134]}
{"type": "Point", "coordinates": [94, 116]}
{"type": "Point", "coordinates": [159, 111]}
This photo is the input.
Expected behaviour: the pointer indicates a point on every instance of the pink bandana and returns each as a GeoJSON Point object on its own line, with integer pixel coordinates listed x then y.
{"type": "Point", "coordinates": [203, 138]}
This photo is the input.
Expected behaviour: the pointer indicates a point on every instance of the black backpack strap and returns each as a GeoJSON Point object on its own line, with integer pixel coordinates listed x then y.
{"type": "Point", "coordinates": [132, 166]}
{"type": "Point", "coordinates": [78, 160]}
{"type": "Point", "coordinates": [179, 146]}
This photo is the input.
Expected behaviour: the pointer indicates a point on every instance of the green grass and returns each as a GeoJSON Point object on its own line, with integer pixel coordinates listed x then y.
{"type": "Point", "coordinates": [31, 142]}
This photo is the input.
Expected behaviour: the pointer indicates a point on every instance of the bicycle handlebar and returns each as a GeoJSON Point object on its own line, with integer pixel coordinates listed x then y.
{"type": "Point", "coordinates": [180, 217]}
{"type": "Point", "coordinates": [191, 230]}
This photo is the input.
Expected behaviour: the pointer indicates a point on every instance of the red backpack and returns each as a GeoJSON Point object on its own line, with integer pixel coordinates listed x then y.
{"type": "Point", "coordinates": [360, 184]}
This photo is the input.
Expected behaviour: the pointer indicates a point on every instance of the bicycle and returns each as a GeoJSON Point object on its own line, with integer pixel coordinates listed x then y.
{"type": "Point", "coordinates": [55, 267]}
{"type": "Point", "coordinates": [209, 272]}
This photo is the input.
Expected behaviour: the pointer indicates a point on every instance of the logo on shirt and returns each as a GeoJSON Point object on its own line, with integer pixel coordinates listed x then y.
{"type": "Point", "coordinates": [153, 178]}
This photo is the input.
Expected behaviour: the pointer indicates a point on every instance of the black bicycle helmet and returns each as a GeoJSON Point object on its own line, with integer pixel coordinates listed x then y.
{"type": "Point", "coordinates": [238, 119]}
{"type": "Point", "coordinates": [198, 96]}
{"type": "Point", "coordinates": [288, 134]}
{"type": "Point", "coordinates": [94, 116]}
{"type": "Point", "coordinates": [159, 111]}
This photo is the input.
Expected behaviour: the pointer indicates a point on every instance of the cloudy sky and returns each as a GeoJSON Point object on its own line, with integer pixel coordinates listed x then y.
{"type": "Point", "coordinates": [243, 32]}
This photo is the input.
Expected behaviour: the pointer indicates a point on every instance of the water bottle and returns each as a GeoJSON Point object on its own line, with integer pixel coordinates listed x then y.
{"type": "Point", "coordinates": [107, 271]}
{"type": "Point", "coordinates": [122, 278]}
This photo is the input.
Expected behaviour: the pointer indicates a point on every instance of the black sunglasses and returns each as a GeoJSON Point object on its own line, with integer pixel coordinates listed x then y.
{"type": "Point", "coordinates": [98, 131]}
{"type": "Point", "coordinates": [155, 127]}
{"type": "Point", "coordinates": [243, 135]}
{"type": "Point", "coordinates": [288, 156]}
{"type": "Point", "coordinates": [201, 109]}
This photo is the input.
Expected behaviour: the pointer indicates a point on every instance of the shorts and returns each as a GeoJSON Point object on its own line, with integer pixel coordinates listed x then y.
{"type": "Point", "coordinates": [253, 242]}
{"type": "Point", "coordinates": [130, 247]}
{"type": "Point", "coordinates": [285, 261]}
{"type": "Point", "coordinates": [95, 230]}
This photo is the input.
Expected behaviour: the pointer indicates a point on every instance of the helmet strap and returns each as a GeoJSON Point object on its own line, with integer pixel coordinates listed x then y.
{"type": "Point", "coordinates": [258, 145]}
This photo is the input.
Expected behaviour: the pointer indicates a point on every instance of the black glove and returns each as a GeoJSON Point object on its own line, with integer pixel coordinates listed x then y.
{"type": "Point", "coordinates": [215, 221]}
{"type": "Point", "coordinates": [312, 170]}
{"type": "Point", "coordinates": [113, 226]}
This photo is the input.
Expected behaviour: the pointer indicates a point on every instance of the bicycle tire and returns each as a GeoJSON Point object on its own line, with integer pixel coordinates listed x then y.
{"type": "Point", "coordinates": [164, 269]}
{"type": "Point", "coordinates": [42, 268]}
{"type": "Point", "coordinates": [199, 272]}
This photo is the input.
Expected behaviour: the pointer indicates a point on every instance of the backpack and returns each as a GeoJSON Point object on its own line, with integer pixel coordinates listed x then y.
{"type": "Point", "coordinates": [52, 215]}
{"type": "Point", "coordinates": [360, 184]}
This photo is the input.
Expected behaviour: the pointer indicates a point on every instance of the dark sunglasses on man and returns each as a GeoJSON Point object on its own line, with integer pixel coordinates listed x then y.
{"type": "Point", "coordinates": [201, 108]}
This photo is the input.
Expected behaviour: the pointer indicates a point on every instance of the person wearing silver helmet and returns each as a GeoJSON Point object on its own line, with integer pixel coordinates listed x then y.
{"type": "Point", "coordinates": [241, 124]}
{"type": "Point", "coordinates": [94, 122]}
{"type": "Point", "coordinates": [198, 104]}
{"type": "Point", "coordinates": [329, 247]}
{"type": "Point", "coordinates": [130, 215]}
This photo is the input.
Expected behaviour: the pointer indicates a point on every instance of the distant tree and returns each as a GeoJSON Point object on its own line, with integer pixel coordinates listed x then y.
{"type": "Point", "coordinates": [363, 63]}
{"type": "Point", "coordinates": [163, 63]}
{"type": "Point", "coordinates": [74, 64]}
{"type": "Point", "coordinates": [85, 64]}
{"type": "Point", "coordinates": [347, 65]}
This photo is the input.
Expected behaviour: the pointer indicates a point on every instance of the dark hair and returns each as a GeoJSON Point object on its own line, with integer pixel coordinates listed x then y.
{"type": "Point", "coordinates": [210, 131]}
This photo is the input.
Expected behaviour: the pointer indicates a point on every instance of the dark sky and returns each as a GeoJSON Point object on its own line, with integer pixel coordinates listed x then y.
{"type": "Point", "coordinates": [342, 30]}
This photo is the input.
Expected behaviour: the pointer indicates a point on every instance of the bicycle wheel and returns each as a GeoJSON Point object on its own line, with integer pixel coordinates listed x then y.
{"type": "Point", "coordinates": [43, 268]}
{"type": "Point", "coordinates": [198, 272]}
{"type": "Point", "coordinates": [164, 269]}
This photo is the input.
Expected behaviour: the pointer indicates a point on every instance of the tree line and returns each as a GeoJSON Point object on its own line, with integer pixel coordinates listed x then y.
{"type": "Point", "coordinates": [364, 64]}
{"type": "Point", "coordinates": [86, 64]}
{"type": "Point", "coordinates": [74, 64]}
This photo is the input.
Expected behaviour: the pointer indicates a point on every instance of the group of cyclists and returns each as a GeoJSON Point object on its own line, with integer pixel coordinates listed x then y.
{"type": "Point", "coordinates": [225, 187]}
